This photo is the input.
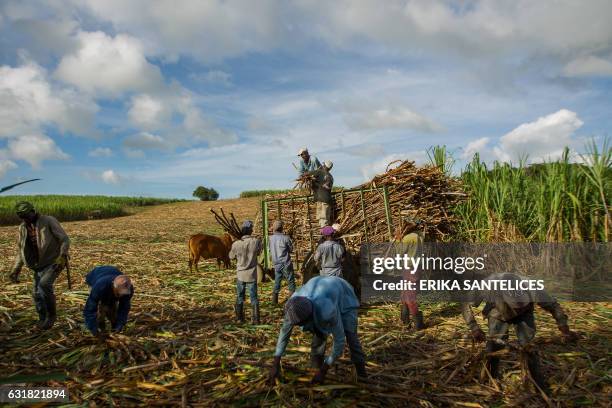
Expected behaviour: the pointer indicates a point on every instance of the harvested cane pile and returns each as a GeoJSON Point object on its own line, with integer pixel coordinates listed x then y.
{"type": "Point", "coordinates": [425, 193]}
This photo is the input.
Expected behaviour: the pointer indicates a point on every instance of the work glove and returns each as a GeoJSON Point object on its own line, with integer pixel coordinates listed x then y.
{"type": "Point", "coordinates": [61, 260]}
{"type": "Point", "coordinates": [274, 371]}
{"type": "Point", "coordinates": [478, 335]}
{"type": "Point", "coordinates": [14, 276]}
{"type": "Point", "coordinates": [319, 377]}
{"type": "Point", "coordinates": [568, 335]}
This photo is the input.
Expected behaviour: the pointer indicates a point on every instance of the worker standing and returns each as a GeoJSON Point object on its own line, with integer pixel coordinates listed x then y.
{"type": "Point", "coordinates": [325, 305]}
{"type": "Point", "coordinates": [281, 247]}
{"type": "Point", "coordinates": [506, 308]}
{"type": "Point", "coordinates": [308, 164]}
{"type": "Point", "coordinates": [330, 254]}
{"type": "Point", "coordinates": [109, 299]}
{"type": "Point", "coordinates": [245, 251]}
{"type": "Point", "coordinates": [43, 247]}
{"type": "Point", "coordinates": [323, 184]}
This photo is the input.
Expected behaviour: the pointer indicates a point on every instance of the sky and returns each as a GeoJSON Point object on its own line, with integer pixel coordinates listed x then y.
{"type": "Point", "coordinates": [154, 98]}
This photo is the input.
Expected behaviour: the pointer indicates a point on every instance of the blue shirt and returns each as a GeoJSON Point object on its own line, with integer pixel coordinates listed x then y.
{"type": "Point", "coordinates": [100, 279]}
{"type": "Point", "coordinates": [334, 312]}
{"type": "Point", "coordinates": [313, 165]}
{"type": "Point", "coordinates": [280, 249]}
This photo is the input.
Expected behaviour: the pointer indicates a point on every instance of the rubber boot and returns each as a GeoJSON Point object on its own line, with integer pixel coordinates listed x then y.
{"type": "Point", "coordinates": [361, 371]}
{"type": "Point", "coordinates": [255, 314]}
{"type": "Point", "coordinates": [275, 298]}
{"type": "Point", "coordinates": [493, 362]}
{"type": "Point", "coordinates": [405, 315]}
{"type": "Point", "coordinates": [239, 308]}
{"type": "Point", "coordinates": [316, 361]}
{"type": "Point", "coordinates": [418, 321]}
{"type": "Point", "coordinates": [41, 309]}
{"type": "Point", "coordinates": [533, 365]}
{"type": "Point", "coordinates": [51, 313]}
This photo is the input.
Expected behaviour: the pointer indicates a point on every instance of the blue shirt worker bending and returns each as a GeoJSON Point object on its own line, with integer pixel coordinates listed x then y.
{"type": "Point", "coordinates": [110, 298]}
{"type": "Point", "coordinates": [325, 305]}
{"type": "Point", "coordinates": [280, 251]}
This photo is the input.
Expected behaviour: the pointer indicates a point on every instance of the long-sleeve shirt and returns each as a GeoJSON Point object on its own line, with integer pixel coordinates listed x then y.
{"type": "Point", "coordinates": [329, 255]}
{"type": "Point", "coordinates": [245, 251]}
{"type": "Point", "coordinates": [334, 312]}
{"type": "Point", "coordinates": [506, 308]}
{"type": "Point", "coordinates": [312, 165]}
{"type": "Point", "coordinates": [280, 249]}
{"type": "Point", "coordinates": [51, 242]}
{"type": "Point", "coordinates": [100, 279]}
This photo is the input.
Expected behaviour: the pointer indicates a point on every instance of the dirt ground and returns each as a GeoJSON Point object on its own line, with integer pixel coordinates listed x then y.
{"type": "Point", "coordinates": [182, 347]}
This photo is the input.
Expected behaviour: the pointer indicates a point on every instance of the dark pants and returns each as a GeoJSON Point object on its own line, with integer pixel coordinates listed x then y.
{"type": "Point", "coordinates": [43, 289]}
{"type": "Point", "coordinates": [525, 329]}
{"type": "Point", "coordinates": [284, 271]}
{"type": "Point", "coordinates": [241, 288]}
{"type": "Point", "coordinates": [107, 312]}
{"type": "Point", "coordinates": [317, 347]}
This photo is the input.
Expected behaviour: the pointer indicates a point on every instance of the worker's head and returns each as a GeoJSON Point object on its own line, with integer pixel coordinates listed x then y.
{"type": "Point", "coordinates": [328, 164]}
{"type": "Point", "coordinates": [247, 228]}
{"type": "Point", "coordinates": [277, 226]}
{"type": "Point", "coordinates": [298, 310]}
{"type": "Point", "coordinates": [327, 232]}
{"type": "Point", "coordinates": [25, 210]}
{"type": "Point", "coordinates": [303, 153]}
{"type": "Point", "coordinates": [122, 286]}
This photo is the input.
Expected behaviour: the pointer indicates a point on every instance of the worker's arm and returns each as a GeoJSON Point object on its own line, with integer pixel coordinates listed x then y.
{"type": "Point", "coordinates": [60, 234]}
{"type": "Point", "coordinates": [90, 312]}
{"type": "Point", "coordinates": [553, 307]}
{"type": "Point", "coordinates": [232, 252]}
{"type": "Point", "coordinates": [283, 338]}
{"type": "Point", "coordinates": [339, 341]}
{"type": "Point", "coordinates": [14, 275]}
{"type": "Point", "coordinates": [468, 316]}
{"type": "Point", "coordinates": [123, 309]}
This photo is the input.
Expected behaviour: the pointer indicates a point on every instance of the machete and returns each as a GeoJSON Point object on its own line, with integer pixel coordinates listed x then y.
{"type": "Point", "coordinates": [3, 189]}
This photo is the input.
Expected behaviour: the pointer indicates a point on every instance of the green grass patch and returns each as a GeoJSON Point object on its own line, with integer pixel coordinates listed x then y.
{"type": "Point", "coordinates": [73, 208]}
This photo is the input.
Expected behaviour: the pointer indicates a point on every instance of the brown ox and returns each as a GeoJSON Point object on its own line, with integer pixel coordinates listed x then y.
{"type": "Point", "coordinates": [209, 247]}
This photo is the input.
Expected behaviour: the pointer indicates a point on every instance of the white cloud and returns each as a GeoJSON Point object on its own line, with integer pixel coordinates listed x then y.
{"type": "Point", "coordinates": [109, 65]}
{"type": "Point", "coordinates": [6, 166]}
{"type": "Point", "coordinates": [111, 177]}
{"type": "Point", "coordinates": [475, 146]}
{"type": "Point", "coordinates": [145, 141]}
{"type": "Point", "coordinates": [365, 150]}
{"type": "Point", "coordinates": [588, 66]}
{"type": "Point", "coordinates": [391, 117]}
{"type": "Point", "coordinates": [542, 139]}
{"type": "Point", "coordinates": [214, 77]}
{"type": "Point", "coordinates": [100, 152]}
{"type": "Point", "coordinates": [148, 112]}
{"type": "Point", "coordinates": [28, 101]}
{"type": "Point", "coordinates": [34, 149]}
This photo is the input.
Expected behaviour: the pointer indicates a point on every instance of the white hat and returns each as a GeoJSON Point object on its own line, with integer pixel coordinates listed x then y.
{"type": "Point", "coordinates": [328, 164]}
{"type": "Point", "coordinates": [302, 150]}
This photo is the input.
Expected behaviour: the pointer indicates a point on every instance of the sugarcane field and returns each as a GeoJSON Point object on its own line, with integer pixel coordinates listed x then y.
{"type": "Point", "coordinates": [355, 203]}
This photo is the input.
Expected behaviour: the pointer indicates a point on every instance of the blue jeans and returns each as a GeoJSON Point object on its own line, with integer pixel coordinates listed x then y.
{"type": "Point", "coordinates": [241, 288]}
{"type": "Point", "coordinates": [284, 271]}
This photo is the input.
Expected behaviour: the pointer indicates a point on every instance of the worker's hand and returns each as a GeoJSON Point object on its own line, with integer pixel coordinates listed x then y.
{"type": "Point", "coordinates": [478, 335]}
{"type": "Point", "coordinates": [61, 260]}
{"type": "Point", "coordinates": [568, 335]}
{"type": "Point", "coordinates": [274, 371]}
{"type": "Point", "coordinates": [319, 377]}
{"type": "Point", "coordinates": [14, 276]}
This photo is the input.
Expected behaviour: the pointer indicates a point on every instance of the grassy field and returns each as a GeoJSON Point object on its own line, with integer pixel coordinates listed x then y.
{"type": "Point", "coordinates": [72, 208]}
{"type": "Point", "coordinates": [182, 346]}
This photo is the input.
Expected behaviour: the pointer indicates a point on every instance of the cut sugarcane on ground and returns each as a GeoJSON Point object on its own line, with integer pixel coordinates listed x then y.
{"type": "Point", "coordinates": [182, 346]}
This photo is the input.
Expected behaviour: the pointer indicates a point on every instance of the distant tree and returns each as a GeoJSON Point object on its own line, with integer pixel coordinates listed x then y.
{"type": "Point", "coordinates": [205, 194]}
